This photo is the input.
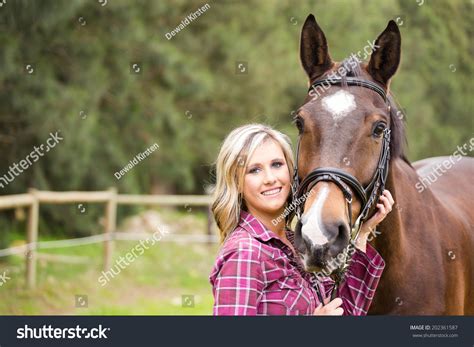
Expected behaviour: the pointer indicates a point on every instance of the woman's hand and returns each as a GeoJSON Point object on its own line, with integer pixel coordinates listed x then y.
{"type": "Point", "coordinates": [330, 309]}
{"type": "Point", "coordinates": [384, 207]}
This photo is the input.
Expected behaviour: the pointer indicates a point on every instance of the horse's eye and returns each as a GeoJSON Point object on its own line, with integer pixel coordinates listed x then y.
{"type": "Point", "coordinates": [378, 129]}
{"type": "Point", "coordinates": [299, 124]}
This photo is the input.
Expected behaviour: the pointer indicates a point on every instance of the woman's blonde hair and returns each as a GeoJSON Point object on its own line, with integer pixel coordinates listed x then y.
{"type": "Point", "coordinates": [230, 166]}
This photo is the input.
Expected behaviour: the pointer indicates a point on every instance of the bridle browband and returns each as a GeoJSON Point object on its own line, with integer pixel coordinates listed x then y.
{"type": "Point", "coordinates": [352, 81]}
{"type": "Point", "coordinates": [368, 195]}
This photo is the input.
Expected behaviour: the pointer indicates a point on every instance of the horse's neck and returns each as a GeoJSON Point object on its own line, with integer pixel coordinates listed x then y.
{"type": "Point", "coordinates": [415, 240]}
{"type": "Point", "coordinates": [401, 181]}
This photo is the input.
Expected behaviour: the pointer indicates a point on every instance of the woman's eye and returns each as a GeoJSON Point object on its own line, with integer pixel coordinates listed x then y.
{"type": "Point", "coordinates": [278, 164]}
{"type": "Point", "coordinates": [378, 129]}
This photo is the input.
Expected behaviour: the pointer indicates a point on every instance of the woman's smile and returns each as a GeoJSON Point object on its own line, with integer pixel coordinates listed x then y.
{"type": "Point", "coordinates": [271, 192]}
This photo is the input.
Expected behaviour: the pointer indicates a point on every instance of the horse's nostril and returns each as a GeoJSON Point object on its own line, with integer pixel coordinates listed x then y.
{"type": "Point", "coordinates": [307, 243]}
{"type": "Point", "coordinates": [301, 247]}
{"type": "Point", "coordinates": [300, 244]}
{"type": "Point", "coordinates": [342, 230]}
{"type": "Point", "coordinates": [342, 237]}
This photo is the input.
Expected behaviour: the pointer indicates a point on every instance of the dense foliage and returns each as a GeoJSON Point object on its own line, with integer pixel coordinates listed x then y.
{"type": "Point", "coordinates": [188, 92]}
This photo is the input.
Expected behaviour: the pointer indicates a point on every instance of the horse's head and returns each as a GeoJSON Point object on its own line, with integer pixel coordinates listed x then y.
{"type": "Point", "coordinates": [341, 127]}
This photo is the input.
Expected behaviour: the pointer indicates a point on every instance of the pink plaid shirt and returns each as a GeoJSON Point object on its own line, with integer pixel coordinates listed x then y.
{"type": "Point", "coordinates": [255, 273]}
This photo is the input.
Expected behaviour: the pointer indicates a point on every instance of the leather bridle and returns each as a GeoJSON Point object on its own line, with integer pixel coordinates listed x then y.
{"type": "Point", "coordinates": [347, 183]}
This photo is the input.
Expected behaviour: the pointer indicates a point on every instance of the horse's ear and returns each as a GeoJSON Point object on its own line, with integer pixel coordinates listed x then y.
{"type": "Point", "coordinates": [385, 59]}
{"type": "Point", "coordinates": [314, 52]}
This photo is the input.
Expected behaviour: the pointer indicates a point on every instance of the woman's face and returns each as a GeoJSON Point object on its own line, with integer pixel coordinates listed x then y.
{"type": "Point", "coordinates": [267, 180]}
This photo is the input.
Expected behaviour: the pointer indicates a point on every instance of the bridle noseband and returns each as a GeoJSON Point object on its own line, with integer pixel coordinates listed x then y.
{"type": "Point", "coordinates": [368, 195]}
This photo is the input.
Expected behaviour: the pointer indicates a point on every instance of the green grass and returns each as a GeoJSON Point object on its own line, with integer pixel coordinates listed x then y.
{"type": "Point", "coordinates": [151, 285]}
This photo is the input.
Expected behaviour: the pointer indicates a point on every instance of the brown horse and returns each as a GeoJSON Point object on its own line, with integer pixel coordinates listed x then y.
{"type": "Point", "coordinates": [427, 241]}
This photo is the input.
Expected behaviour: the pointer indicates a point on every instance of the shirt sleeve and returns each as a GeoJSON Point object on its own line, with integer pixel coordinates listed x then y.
{"type": "Point", "coordinates": [362, 278]}
{"type": "Point", "coordinates": [239, 284]}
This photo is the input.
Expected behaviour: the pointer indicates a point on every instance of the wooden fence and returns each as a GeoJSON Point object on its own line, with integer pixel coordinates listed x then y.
{"type": "Point", "coordinates": [110, 197]}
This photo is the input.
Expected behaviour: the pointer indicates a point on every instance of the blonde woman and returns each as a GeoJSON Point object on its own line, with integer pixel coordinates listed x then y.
{"type": "Point", "coordinates": [257, 271]}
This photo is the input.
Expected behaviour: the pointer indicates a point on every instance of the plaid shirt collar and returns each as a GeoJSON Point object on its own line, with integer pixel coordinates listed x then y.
{"type": "Point", "coordinates": [255, 228]}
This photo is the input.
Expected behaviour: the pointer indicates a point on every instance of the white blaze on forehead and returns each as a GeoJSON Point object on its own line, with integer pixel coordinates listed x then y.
{"type": "Point", "coordinates": [339, 104]}
{"type": "Point", "coordinates": [311, 221]}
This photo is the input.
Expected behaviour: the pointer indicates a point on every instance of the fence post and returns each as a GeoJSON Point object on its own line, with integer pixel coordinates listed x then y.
{"type": "Point", "coordinates": [209, 225]}
{"type": "Point", "coordinates": [32, 238]}
{"type": "Point", "coordinates": [110, 226]}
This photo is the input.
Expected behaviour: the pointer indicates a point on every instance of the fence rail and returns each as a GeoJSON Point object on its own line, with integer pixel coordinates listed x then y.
{"type": "Point", "coordinates": [112, 199]}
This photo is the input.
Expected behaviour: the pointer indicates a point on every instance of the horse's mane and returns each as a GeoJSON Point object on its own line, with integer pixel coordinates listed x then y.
{"type": "Point", "coordinates": [398, 140]}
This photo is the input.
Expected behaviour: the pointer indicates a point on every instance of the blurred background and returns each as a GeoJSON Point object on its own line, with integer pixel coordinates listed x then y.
{"type": "Point", "coordinates": [114, 80]}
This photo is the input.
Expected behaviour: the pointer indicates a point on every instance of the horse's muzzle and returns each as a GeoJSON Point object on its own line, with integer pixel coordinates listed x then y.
{"type": "Point", "coordinates": [316, 257]}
